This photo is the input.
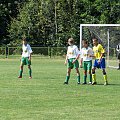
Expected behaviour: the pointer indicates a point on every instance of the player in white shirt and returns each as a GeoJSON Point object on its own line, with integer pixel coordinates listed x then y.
{"type": "Point", "coordinates": [86, 60]}
{"type": "Point", "coordinates": [26, 58]}
{"type": "Point", "coordinates": [72, 60]}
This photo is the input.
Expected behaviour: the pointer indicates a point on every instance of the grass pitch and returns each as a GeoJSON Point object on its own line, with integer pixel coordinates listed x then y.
{"type": "Point", "coordinates": [44, 97]}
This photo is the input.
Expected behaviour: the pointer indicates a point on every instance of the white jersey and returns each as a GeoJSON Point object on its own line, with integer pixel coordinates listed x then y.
{"type": "Point", "coordinates": [72, 51]}
{"type": "Point", "coordinates": [26, 50]}
{"type": "Point", "coordinates": [85, 52]}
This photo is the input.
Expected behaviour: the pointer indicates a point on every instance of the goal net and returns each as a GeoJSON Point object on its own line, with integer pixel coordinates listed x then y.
{"type": "Point", "coordinates": [107, 34]}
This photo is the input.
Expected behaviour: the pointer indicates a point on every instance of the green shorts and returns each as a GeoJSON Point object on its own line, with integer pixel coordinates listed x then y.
{"type": "Point", "coordinates": [25, 61]}
{"type": "Point", "coordinates": [71, 65]}
{"type": "Point", "coordinates": [87, 65]}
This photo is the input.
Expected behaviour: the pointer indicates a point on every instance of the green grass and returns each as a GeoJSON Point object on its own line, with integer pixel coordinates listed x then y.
{"type": "Point", "coordinates": [46, 98]}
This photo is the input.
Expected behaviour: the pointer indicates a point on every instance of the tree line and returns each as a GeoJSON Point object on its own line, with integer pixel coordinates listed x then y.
{"type": "Point", "coordinates": [52, 22]}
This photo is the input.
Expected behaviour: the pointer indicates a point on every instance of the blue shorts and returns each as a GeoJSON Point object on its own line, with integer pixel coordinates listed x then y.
{"type": "Point", "coordinates": [101, 64]}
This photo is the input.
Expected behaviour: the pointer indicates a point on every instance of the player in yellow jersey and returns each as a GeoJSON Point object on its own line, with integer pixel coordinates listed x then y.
{"type": "Point", "coordinates": [99, 61]}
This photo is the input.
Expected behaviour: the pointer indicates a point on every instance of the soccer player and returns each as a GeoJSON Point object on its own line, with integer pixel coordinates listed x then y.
{"type": "Point", "coordinates": [99, 61]}
{"type": "Point", "coordinates": [26, 58]}
{"type": "Point", "coordinates": [72, 60]}
{"type": "Point", "coordinates": [118, 50]}
{"type": "Point", "coordinates": [86, 60]}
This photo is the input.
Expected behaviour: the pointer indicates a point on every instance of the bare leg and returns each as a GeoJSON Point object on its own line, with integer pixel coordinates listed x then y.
{"type": "Point", "coordinates": [30, 71]}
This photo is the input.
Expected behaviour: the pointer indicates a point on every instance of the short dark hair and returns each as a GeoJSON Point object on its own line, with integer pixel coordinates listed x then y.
{"type": "Point", "coordinates": [24, 39]}
{"type": "Point", "coordinates": [71, 40]}
{"type": "Point", "coordinates": [86, 42]}
{"type": "Point", "coordinates": [95, 39]}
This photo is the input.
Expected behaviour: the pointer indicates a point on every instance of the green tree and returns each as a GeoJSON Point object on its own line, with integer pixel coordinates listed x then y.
{"type": "Point", "coordinates": [8, 9]}
{"type": "Point", "coordinates": [35, 21]}
{"type": "Point", "coordinates": [52, 22]}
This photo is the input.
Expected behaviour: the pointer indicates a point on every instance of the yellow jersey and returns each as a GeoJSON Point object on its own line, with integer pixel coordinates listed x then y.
{"type": "Point", "coordinates": [98, 50]}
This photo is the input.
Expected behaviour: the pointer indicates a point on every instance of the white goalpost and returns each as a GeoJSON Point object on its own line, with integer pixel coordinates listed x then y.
{"type": "Point", "coordinates": [108, 34]}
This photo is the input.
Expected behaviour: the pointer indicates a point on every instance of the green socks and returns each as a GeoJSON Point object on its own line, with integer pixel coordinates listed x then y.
{"type": "Point", "coordinates": [67, 79]}
{"type": "Point", "coordinates": [90, 75]}
{"type": "Point", "coordinates": [78, 79]}
{"type": "Point", "coordinates": [90, 78]}
{"type": "Point", "coordinates": [85, 77]}
{"type": "Point", "coordinates": [20, 74]}
{"type": "Point", "coordinates": [30, 72]}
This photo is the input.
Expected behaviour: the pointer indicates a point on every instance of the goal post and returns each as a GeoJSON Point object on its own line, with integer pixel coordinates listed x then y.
{"type": "Point", "coordinates": [108, 35]}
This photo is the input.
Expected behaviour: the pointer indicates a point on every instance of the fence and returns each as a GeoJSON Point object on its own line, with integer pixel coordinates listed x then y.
{"type": "Point", "coordinates": [3, 52]}
{"type": "Point", "coordinates": [8, 52]}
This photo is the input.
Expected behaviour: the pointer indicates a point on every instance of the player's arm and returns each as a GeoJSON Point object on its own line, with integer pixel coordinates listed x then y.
{"type": "Point", "coordinates": [78, 55]}
{"type": "Point", "coordinates": [76, 58]}
{"type": "Point", "coordinates": [102, 53]}
{"type": "Point", "coordinates": [66, 59]}
{"type": "Point", "coordinates": [30, 50]}
{"type": "Point", "coordinates": [91, 53]}
{"type": "Point", "coordinates": [81, 60]}
{"type": "Point", "coordinates": [21, 55]}
{"type": "Point", "coordinates": [30, 56]}
{"type": "Point", "coordinates": [93, 56]}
